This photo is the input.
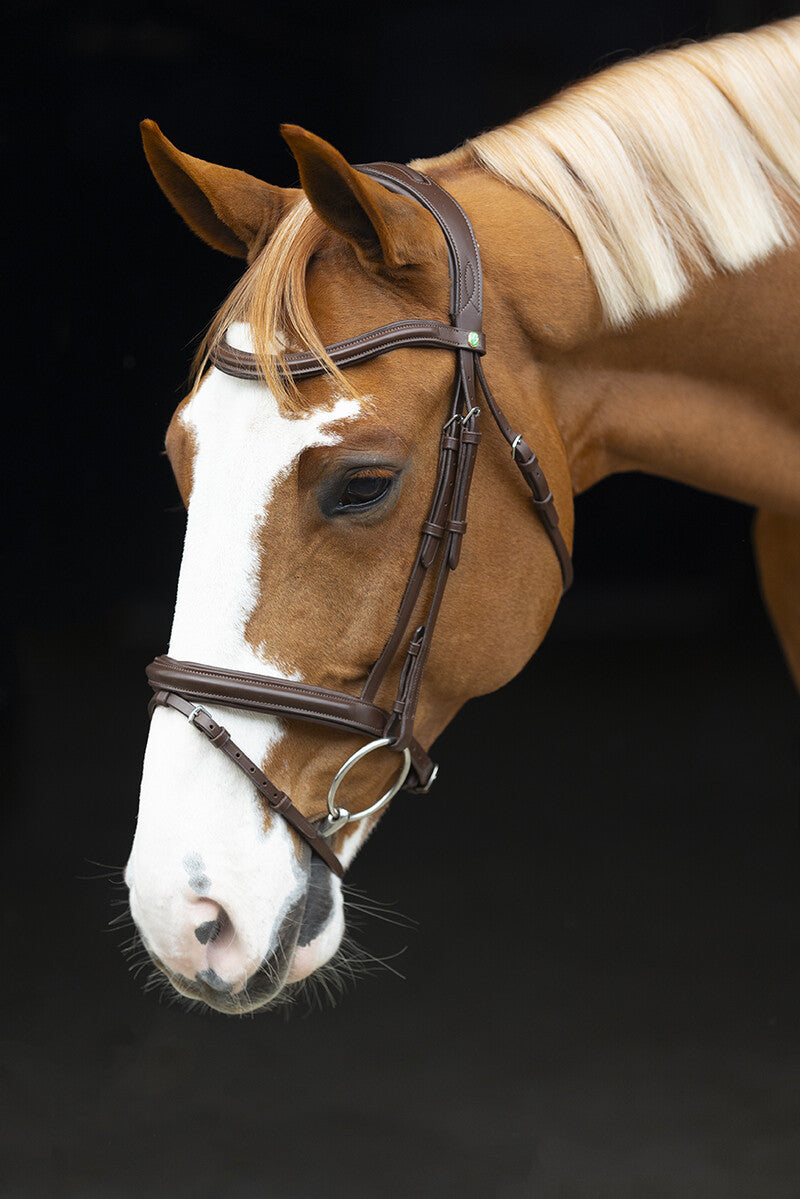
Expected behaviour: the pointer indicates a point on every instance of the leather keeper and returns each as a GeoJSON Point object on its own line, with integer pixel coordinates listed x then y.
{"type": "Point", "coordinates": [457, 524]}
{"type": "Point", "coordinates": [406, 680]}
{"type": "Point", "coordinates": [432, 536]}
{"type": "Point", "coordinates": [546, 510]}
{"type": "Point", "coordinates": [432, 530]}
{"type": "Point", "coordinates": [532, 473]}
{"type": "Point", "coordinates": [220, 737]}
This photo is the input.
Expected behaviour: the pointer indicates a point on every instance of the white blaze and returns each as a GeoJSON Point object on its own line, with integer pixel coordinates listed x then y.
{"type": "Point", "coordinates": [195, 806]}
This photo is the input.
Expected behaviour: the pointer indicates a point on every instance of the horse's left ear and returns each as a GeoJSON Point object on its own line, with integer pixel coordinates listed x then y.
{"type": "Point", "coordinates": [386, 229]}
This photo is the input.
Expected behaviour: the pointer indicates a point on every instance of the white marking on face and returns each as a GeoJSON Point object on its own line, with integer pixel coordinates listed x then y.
{"type": "Point", "coordinates": [193, 800]}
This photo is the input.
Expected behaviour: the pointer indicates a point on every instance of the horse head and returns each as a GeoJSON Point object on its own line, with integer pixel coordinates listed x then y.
{"type": "Point", "coordinates": [305, 501]}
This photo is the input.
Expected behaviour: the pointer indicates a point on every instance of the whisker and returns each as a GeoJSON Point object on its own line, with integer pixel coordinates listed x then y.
{"type": "Point", "coordinates": [363, 910]}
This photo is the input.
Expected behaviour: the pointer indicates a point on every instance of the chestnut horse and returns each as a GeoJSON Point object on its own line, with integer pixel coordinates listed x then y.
{"type": "Point", "coordinates": [642, 280]}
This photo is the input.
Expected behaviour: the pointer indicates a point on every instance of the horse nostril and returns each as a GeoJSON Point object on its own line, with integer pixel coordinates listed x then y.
{"type": "Point", "coordinates": [208, 931]}
{"type": "Point", "coordinates": [217, 927]}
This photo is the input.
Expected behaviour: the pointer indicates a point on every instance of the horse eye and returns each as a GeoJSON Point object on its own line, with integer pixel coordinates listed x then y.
{"type": "Point", "coordinates": [363, 490]}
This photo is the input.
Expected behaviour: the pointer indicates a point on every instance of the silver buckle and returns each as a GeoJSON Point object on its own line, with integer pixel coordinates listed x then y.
{"type": "Point", "coordinates": [434, 775]}
{"type": "Point", "coordinates": [195, 712]}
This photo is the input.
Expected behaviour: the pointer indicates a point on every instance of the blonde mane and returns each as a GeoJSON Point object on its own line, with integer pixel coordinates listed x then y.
{"type": "Point", "coordinates": [677, 164]}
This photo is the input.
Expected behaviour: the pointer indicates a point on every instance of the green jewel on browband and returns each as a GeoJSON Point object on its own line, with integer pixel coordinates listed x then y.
{"type": "Point", "coordinates": [474, 340]}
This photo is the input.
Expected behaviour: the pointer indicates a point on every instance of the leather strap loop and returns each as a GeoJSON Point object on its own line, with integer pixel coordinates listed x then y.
{"type": "Point", "coordinates": [432, 530]}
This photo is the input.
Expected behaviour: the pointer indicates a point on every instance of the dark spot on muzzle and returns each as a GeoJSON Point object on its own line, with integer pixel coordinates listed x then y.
{"type": "Point", "coordinates": [195, 867]}
{"type": "Point", "coordinates": [213, 980]}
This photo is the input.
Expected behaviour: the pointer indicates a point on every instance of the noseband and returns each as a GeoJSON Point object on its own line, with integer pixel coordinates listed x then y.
{"type": "Point", "coordinates": [185, 686]}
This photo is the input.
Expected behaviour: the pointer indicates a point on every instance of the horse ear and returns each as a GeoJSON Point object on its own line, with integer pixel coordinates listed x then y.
{"type": "Point", "coordinates": [385, 229]}
{"type": "Point", "coordinates": [232, 211]}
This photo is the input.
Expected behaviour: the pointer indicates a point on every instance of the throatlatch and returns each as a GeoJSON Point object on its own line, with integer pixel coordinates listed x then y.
{"type": "Point", "coordinates": [184, 686]}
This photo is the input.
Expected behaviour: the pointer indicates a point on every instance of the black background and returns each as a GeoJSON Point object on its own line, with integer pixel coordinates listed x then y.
{"type": "Point", "coordinates": [600, 998]}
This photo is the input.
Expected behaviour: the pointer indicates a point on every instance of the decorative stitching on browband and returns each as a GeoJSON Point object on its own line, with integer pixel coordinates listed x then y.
{"type": "Point", "coordinates": [352, 350]}
{"type": "Point", "coordinates": [433, 327]}
{"type": "Point", "coordinates": [469, 282]}
{"type": "Point", "coordinates": [383, 171]}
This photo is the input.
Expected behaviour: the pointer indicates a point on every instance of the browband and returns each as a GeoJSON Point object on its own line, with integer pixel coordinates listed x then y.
{"type": "Point", "coordinates": [183, 686]}
{"type": "Point", "coordinates": [431, 334]}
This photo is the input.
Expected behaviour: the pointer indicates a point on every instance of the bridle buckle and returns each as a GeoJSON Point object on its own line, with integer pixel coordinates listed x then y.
{"type": "Point", "coordinates": [333, 821]}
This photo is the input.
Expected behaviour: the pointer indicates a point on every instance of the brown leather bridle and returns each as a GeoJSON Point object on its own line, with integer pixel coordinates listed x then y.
{"type": "Point", "coordinates": [184, 686]}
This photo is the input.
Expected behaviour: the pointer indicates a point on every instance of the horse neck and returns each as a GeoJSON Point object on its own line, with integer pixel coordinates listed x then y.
{"type": "Point", "coordinates": [706, 396]}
